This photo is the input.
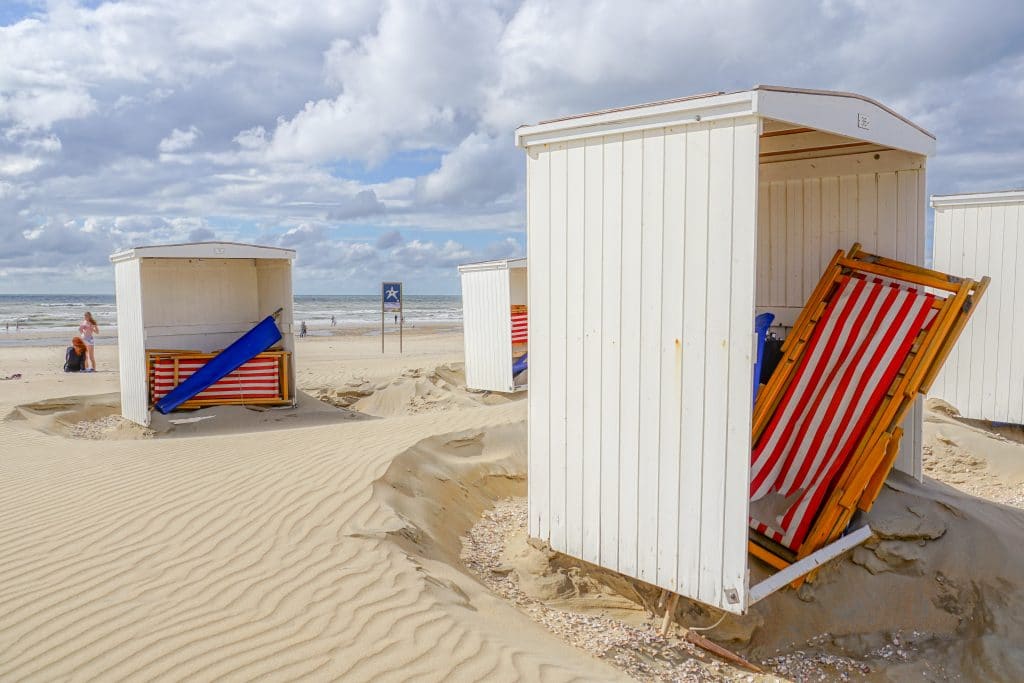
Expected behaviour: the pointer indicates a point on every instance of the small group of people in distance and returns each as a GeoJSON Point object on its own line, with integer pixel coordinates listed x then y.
{"type": "Point", "coordinates": [81, 356]}
{"type": "Point", "coordinates": [304, 329]}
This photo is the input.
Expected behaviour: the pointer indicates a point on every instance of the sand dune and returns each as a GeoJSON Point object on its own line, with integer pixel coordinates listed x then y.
{"type": "Point", "coordinates": [416, 390]}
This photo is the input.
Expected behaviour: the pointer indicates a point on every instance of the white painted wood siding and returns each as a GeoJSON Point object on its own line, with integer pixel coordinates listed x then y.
{"type": "Point", "coordinates": [642, 256]}
{"type": "Point", "coordinates": [131, 346]}
{"type": "Point", "coordinates": [274, 284]}
{"type": "Point", "coordinates": [984, 375]}
{"type": "Point", "coordinates": [487, 329]}
{"type": "Point", "coordinates": [809, 209]}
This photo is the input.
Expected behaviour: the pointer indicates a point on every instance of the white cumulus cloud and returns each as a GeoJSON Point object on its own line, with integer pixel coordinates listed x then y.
{"type": "Point", "coordinates": [377, 134]}
{"type": "Point", "coordinates": [179, 140]}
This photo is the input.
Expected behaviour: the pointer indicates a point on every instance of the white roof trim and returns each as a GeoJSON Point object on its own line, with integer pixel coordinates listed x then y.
{"type": "Point", "coordinates": [500, 264]}
{"type": "Point", "coordinates": [977, 198]}
{"type": "Point", "coordinates": [835, 112]}
{"type": "Point", "coordinates": [204, 250]}
{"type": "Point", "coordinates": [640, 117]}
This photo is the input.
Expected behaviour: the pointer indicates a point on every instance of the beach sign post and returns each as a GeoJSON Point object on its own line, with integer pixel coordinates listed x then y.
{"type": "Point", "coordinates": [391, 302]}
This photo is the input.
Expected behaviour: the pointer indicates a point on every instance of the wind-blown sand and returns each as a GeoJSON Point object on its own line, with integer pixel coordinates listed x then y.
{"type": "Point", "coordinates": [327, 542]}
{"type": "Point", "coordinates": [235, 557]}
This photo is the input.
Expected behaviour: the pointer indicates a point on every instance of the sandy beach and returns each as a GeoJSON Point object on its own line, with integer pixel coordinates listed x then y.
{"type": "Point", "coordinates": [350, 538]}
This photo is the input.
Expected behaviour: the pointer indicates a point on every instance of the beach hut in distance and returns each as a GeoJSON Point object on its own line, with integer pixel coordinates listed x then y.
{"type": "Point", "coordinates": [494, 319]}
{"type": "Point", "coordinates": [177, 304]}
{"type": "Point", "coordinates": [973, 234]}
{"type": "Point", "coordinates": [655, 235]}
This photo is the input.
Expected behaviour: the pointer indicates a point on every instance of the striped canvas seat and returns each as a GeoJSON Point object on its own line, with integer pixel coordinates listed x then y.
{"type": "Point", "coordinates": [258, 378]}
{"type": "Point", "coordinates": [856, 351]}
{"type": "Point", "coordinates": [520, 325]}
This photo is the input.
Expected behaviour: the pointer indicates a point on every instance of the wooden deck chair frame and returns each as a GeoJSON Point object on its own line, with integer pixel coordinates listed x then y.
{"type": "Point", "coordinates": [862, 476]}
{"type": "Point", "coordinates": [283, 398]}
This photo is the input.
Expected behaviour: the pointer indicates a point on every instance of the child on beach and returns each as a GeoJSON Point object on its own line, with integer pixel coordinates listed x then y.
{"type": "Point", "coordinates": [86, 330]}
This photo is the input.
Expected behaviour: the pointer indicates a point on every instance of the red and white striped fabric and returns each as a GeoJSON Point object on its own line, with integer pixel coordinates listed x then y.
{"type": "Point", "coordinates": [855, 352]}
{"type": "Point", "coordinates": [520, 327]}
{"type": "Point", "coordinates": [257, 378]}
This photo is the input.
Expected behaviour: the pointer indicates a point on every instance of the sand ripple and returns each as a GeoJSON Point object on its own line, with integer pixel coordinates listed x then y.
{"type": "Point", "coordinates": [233, 558]}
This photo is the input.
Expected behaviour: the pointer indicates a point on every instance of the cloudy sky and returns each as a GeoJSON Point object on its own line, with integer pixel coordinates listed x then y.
{"type": "Point", "coordinates": [376, 138]}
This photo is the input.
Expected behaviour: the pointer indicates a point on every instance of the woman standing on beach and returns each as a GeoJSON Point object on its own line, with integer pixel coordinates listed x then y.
{"type": "Point", "coordinates": [86, 331]}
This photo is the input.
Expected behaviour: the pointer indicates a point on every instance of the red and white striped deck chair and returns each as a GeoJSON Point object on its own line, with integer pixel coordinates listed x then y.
{"type": "Point", "coordinates": [520, 325]}
{"type": "Point", "coordinates": [857, 349]}
{"type": "Point", "coordinates": [826, 428]}
{"type": "Point", "coordinates": [256, 381]}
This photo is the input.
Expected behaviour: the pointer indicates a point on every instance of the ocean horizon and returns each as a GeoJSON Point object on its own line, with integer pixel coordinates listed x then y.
{"type": "Point", "coordinates": [61, 313]}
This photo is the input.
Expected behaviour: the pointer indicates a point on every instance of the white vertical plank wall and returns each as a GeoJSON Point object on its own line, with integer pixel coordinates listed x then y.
{"type": "Point", "coordinates": [816, 207]}
{"type": "Point", "coordinates": [487, 329]}
{"type": "Point", "coordinates": [538, 251]}
{"type": "Point", "coordinates": [983, 377]}
{"type": "Point", "coordinates": [642, 255]}
{"type": "Point", "coordinates": [274, 283]}
{"type": "Point", "coordinates": [131, 344]}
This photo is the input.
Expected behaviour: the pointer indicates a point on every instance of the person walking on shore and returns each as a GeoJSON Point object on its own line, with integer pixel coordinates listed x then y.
{"type": "Point", "coordinates": [86, 330]}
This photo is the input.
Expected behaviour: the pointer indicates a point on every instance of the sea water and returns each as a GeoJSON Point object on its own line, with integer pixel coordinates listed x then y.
{"type": "Point", "coordinates": [54, 318]}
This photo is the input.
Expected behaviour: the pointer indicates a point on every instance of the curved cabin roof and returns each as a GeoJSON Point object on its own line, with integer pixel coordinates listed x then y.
{"type": "Point", "coordinates": [845, 114]}
{"type": "Point", "coordinates": [499, 264]}
{"type": "Point", "coordinates": [204, 250]}
{"type": "Point", "coordinates": [978, 198]}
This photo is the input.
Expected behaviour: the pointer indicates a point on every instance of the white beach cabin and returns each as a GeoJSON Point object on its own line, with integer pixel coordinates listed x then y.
{"type": "Point", "coordinates": [655, 234]}
{"type": "Point", "coordinates": [983, 233]}
{"type": "Point", "coordinates": [200, 296]}
{"type": "Point", "coordinates": [494, 321]}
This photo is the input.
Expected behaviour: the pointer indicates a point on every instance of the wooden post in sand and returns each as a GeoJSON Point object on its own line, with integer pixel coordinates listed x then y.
{"type": "Point", "coordinates": [697, 639]}
{"type": "Point", "coordinates": [670, 611]}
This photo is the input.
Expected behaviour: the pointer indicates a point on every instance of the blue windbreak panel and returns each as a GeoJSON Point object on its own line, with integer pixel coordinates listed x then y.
{"type": "Point", "coordinates": [761, 325]}
{"type": "Point", "coordinates": [251, 344]}
{"type": "Point", "coordinates": [519, 366]}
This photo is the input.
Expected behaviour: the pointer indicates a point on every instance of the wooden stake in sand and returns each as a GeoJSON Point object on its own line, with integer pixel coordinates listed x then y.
{"type": "Point", "coordinates": [719, 651]}
{"type": "Point", "coordinates": [670, 611]}
{"type": "Point", "coordinates": [699, 640]}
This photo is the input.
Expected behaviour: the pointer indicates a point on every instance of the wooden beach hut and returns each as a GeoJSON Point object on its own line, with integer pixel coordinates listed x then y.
{"type": "Point", "coordinates": [983, 233]}
{"type": "Point", "coordinates": [495, 323]}
{"type": "Point", "coordinates": [178, 304]}
{"type": "Point", "coordinates": [656, 233]}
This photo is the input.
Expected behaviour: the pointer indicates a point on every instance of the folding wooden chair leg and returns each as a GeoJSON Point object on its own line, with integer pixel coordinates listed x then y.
{"type": "Point", "coordinates": [892, 450]}
{"type": "Point", "coordinates": [766, 556]}
{"type": "Point", "coordinates": [837, 511]}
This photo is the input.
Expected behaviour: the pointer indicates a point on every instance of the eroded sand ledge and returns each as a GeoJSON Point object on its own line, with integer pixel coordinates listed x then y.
{"type": "Point", "coordinates": [937, 594]}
